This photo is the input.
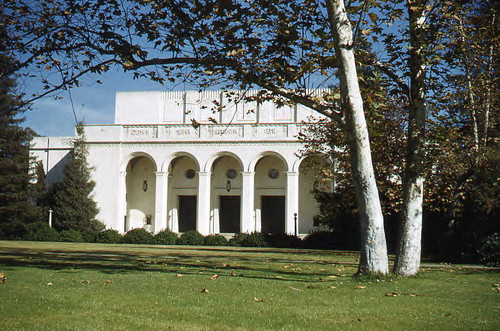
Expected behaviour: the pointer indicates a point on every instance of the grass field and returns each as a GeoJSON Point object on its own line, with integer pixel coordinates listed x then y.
{"type": "Point", "coordinates": [97, 286]}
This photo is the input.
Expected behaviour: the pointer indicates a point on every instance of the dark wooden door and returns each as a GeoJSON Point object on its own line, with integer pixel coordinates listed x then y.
{"type": "Point", "coordinates": [273, 214]}
{"type": "Point", "coordinates": [229, 214]}
{"type": "Point", "coordinates": [187, 212]}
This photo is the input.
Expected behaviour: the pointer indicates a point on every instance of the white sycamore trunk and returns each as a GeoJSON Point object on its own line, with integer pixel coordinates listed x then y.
{"type": "Point", "coordinates": [489, 100]}
{"type": "Point", "coordinates": [472, 102]}
{"type": "Point", "coordinates": [407, 261]}
{"type": "Point", "coordinates": [373, 243]}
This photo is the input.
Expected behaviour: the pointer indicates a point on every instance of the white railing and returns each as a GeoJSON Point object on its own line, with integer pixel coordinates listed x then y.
{"type": "Point", "coordinates": [187, 132]}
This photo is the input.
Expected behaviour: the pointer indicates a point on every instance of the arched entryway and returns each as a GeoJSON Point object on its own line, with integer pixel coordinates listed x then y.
{"type": "Point", "coordinates": [270, 194]}
{"type": "Point", "coordinates": [140, 197]}
{"type": "Point", "coordinates": [182, 193]}
{"type": "Point", "coordinates": [226, 194]}
{"type": "Point", "coordinates": [314, 174]}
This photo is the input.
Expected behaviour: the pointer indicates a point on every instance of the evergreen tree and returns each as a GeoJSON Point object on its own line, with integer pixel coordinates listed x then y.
{"type": "Point", "coordinates": [14, 145]}
{"type": "Point", "coordinates": [72, 202]}
{"type": "Point", "coordinates": [38, 192]}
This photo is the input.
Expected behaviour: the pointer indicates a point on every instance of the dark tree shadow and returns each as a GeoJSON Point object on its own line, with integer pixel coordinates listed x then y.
{"type": "Point", "coordinates": [167, 261]}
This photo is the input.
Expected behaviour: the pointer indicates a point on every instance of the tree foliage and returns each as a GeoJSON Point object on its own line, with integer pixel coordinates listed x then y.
{"type": "Point", "coordinates": [14, 145]}
{"type": "Point", "coordinates": [71, 199]}
{"type": "Point", "coordinates": [287, 48]}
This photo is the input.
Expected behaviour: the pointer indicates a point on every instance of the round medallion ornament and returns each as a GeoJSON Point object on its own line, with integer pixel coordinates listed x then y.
{"type": "Point", "coordinates": [273, 173]}
{"type": "Point", "coordinates": [190, 173]}
{"type": "Point", "coordinates": [231, 173]}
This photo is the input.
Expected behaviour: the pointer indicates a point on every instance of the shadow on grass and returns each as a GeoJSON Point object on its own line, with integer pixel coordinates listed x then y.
{"type": "Point", "coordinates": [110, 261]}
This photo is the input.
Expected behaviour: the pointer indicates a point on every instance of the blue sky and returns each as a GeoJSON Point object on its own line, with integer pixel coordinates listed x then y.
{"type": "Point", "coordinates": [93, 103]}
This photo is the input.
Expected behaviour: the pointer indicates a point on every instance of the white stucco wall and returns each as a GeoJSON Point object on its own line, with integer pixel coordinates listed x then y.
{"type": "Point", "coordinates": [156, 127]}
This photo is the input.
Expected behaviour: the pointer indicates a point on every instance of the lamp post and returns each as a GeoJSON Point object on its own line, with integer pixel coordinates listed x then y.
{"type": "Point", "coordinates": [50, 217]}
{"type": "Point", "coordinates": [296, 225]}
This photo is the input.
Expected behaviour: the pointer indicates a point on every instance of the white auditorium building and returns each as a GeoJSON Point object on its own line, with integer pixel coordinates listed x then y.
{"type": "Point", "coordinates": [155, 169]}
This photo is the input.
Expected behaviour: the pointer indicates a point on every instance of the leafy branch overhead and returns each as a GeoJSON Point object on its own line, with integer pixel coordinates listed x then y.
{"type": "Point", "coordinates": [284, 47]}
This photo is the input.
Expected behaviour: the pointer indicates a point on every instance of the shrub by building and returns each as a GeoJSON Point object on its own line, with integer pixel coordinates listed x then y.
{"type": "Point", "coordinates": [138, 236]}
{"type": "Point", "coordinates": [191, 237]}
{"type": "Point", "coordinates": [166, 237]}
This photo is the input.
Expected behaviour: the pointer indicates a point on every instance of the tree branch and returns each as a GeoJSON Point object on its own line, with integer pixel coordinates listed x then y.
{"type": "Point", "coordinates": [391, 74]}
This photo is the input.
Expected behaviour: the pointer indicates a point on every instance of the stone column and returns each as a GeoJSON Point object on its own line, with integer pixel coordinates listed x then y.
{"type": "Point", "coordinates": [203, 212]}
{"type": "Point", "coordinates": [122, 202]}
{"type": "Point", "coordinates": [292, 200]}
{"type": "Point", "coordinates": [160, 222]}
{"type": "Point", "coordinates": [247, 221]}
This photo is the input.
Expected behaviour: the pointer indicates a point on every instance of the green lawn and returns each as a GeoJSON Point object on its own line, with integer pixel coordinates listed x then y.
{"type": "Point", "coordinates": [98, 286]}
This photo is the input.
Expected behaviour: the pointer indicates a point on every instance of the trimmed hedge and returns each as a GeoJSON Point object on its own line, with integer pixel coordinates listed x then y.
{"type": "Point", "coordinates": [166, 237]}
{"type": "Point", "coordinates": [216, 240]}
{"type": "Point", "coordinates": [90, 236]}
{"type": "Point", "coordinates": [254, 239]}
{"type": "Point", "coordinates": [70, 236]}
{"type": "Point", "coordinates": [109, 237]}
{"type": "Point", "coordinates": [191, 237]}
{"type": "Point", "coordinates": [138, 236]}
{"type": "Point", "coordinates": [237, 240]}
{"type": "Point", "coordinates": [41, 232]}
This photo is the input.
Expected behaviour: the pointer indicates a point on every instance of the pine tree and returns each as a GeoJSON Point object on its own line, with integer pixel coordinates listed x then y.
{"type": "Point", "coordinates": [38, 194]}
{"type": "Point", "coordinates": [72, 202]}
{"type": "Point", "coordinates": [14, 146]}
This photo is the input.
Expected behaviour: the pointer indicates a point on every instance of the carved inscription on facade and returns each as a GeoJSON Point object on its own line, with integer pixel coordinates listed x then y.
{"type": "Point", "coordinates": [267, 131]}
{"type": "Point", "coordinates": [141, 132]}
{"type": "Point", "coordinates": [181, 132]}
{"type": "Point", "coordinates": [225, 131]}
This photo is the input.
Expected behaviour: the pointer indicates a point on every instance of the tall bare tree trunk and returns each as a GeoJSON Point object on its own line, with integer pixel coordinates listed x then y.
{"type": "Point", "coordinates": [489, 82]}
{"type": "Point", "coordinates": [470, 92]}
{"type": "Point", "coordinates": [410, 239]}
{"type": "Point", "coordinates": [373, 243]}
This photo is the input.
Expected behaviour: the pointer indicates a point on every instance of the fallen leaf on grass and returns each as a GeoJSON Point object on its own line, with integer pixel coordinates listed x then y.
{"type": "Point", "coordinates": [312, 287]}
{"type": "Point", "coordinates": [204, 290]}
{"type": "Point", "coordinates": [258, 300]}
{"type": "Point", "coordinates": [233, 274]}
{"type": "Point", "coordinates": [332, 287]}
{"type": "Point", "coordinates": [295, 289]}
{"type": "Point", "coordinates": [279, 277]}
{"type": "Point", "coordinates": [226, 265]}
{"type": "Point", "coordinates": [494, 285]}
{"type": "Point", "coordinates": [360, 287]}
{"type": "Point", "coordinates": [332, 276]}
{"type": "Point", "coordinates": [392, 294]}
{"type": "Point", "coordinates": [107, 282]}
{"type": "Point", "coordinates": [3, 278]}
{"type": "Point", "coordinates": [179, 275]}
{"type": "Point", "coordinates": [49, 284]}
{"type": "Point", "coordinates": [214, 277]}
{"type": "Point", "coordinates": [286, 266]}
